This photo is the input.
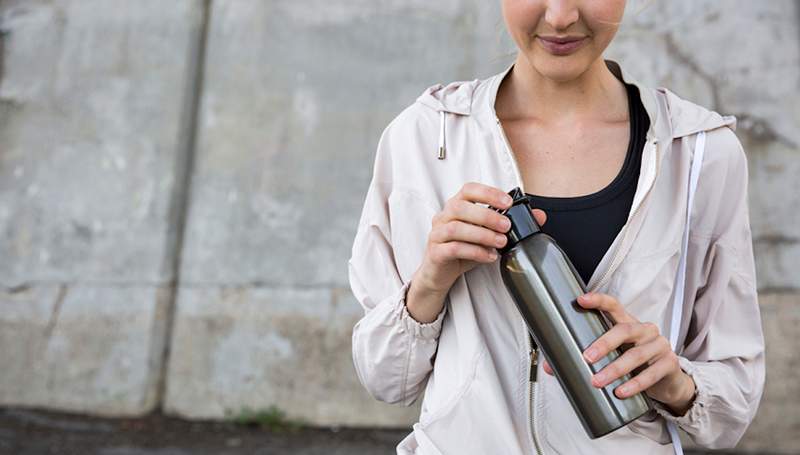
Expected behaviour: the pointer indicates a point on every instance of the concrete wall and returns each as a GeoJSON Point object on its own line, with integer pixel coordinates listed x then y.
{"type": "Point", "coordinates": [180, 183]}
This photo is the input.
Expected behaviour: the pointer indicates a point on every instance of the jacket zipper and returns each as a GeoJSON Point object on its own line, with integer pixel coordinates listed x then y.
{"type": "Point", "coordinates": [532, 386]}
{"type": "Point", "coordinates": [533, 351]}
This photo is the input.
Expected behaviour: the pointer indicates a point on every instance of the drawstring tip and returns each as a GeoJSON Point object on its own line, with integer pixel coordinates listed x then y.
{"type": "Point", "coordinates": [441, 153]}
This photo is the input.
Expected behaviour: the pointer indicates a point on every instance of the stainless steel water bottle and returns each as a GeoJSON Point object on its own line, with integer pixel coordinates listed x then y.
{"type": "Point", "coordinates": [545, 286]}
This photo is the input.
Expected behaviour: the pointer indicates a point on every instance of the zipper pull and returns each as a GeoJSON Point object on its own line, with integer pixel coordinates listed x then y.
{"type": "Point", "coordinates": [534, 359]}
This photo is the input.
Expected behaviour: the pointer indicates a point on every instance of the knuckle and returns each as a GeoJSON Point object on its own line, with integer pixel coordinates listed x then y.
{"type": "Point", "coordinates": [468, 187]}
{"type": "Point", "coordinates": [638, 355]}
{"type": "Point", "coordinates": [487, 216]}
{"type": "Point", "coordinates": [672, 358]}
{"type": "Point", "coordinates": [439, 253]}
{"type": "Point", "coordinates": [472, 254]}
{"type": "Point", "coordinates": [499, 220]}
{"type": "Point", "coordinates": [627, 328]}
{"type": "Point", "coordinates": [436, 254]}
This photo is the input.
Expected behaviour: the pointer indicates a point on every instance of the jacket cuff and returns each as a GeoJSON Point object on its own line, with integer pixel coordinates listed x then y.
{"type": "Point", "coordinates": [424, 331]}
{"type": "Point", "coordinates": [698, 411]}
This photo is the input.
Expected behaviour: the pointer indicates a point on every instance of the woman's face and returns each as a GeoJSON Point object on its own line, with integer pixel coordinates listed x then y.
{"type": "Point", "coordinates": [562, 38]}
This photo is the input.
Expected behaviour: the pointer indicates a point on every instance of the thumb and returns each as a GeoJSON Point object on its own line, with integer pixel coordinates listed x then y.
{"type": "Point", "coordinates": [546, 367]}
{"type": "Point", "coordinates": [540, 216]}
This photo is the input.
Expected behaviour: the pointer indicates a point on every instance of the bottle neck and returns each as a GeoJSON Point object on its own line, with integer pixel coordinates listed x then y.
{"type": "Point", "coordinates": [523, 224]}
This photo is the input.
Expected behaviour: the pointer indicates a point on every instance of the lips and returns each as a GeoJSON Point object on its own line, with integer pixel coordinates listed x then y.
{"type": "Point", "coordinates": [561, 45]}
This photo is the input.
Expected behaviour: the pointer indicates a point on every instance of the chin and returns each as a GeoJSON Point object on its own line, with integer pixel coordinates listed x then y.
{"type": "Point", "coordinates": [559, 68]}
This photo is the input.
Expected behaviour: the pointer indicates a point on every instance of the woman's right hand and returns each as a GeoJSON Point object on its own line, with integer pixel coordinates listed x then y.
{"type": "Point", "coordinates": [463, 235]}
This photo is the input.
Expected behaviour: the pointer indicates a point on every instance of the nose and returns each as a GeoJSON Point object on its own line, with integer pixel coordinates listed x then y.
{"type": "Point", "coordinates": [561, 14]}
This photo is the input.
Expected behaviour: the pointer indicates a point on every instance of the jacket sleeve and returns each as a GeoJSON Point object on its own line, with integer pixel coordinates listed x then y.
{"type": "Point", "coordinates": [392, 352]}
{"type": "Point", "coordinates": [724, 347]}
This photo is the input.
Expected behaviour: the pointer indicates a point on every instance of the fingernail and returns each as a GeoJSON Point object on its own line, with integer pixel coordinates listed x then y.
{"type": "Point", "coordinates": [623, 390]}
{"type": "Point", "coordinates": [507, 199]}
{"type": "Point", "coordinates": [591, 354]}
{"type": "Point", "coordinates": [599, 378]}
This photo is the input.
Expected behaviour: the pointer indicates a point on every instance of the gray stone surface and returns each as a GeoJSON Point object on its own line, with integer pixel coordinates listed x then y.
{"type": "Point", "coordinates": [84, 348]}
{"type": "Point", "coordinates": [295, 97]}
{"type": "Point", "coordinates": [91, 99]}
{"type": "Point", "coordinates": [776, 426]}
{"type": "Point", "coordinates": [244, 349]}
{"type": "Point", "coordinates": [740, 58]}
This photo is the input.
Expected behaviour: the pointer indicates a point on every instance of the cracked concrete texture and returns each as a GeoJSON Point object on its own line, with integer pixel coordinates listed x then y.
{"type": "Point", "coordinates": [281, 164]}
{"type": "Point", "coordinates": [92, 92]}
{"type": "Point", "coordinates": [81, 347]}
{"type": "Point", "coordinates": [242, 348]}
{"type": "Point", "coordinates": [91, 100]}
{"type": "Point", "coordinates": [739, 58]}
{"type": "Point", "coordinates": [777, 424]}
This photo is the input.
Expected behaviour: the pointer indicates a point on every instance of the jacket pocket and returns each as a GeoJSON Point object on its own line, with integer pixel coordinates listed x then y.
{"type": "Point", "coordinates": [417, 443]}
{"type": "Point", "coordinates": [430, 416]}
{"type": "Point", "coordinates": [478, 420]}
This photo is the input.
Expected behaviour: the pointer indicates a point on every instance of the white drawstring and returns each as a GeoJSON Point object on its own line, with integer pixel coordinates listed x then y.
{"type": "Point", "coordinates": [441, 135]}
{"type": "Point", "coordinates": [677, 302]}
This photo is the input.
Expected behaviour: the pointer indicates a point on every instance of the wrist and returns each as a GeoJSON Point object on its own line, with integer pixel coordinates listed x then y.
{"type": "Point", "coordinates": [427, 282]}
{"type": "Point", "coordinates": [423, 302]}
{"type": "Point", "coordinates": [685, 397]}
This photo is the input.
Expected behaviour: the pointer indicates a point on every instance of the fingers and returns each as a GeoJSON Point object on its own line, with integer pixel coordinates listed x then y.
{"type": "Point", "coordinates": [445, 252]}
{"type": "Point", "coordinates": [630, 360]}
{"type": "Point", "coordinates": [607, 304]}
{"type": "Point", "coordinates": [465, 232]}
{"type": "Point", "coordinates": [649, 377]}
{"type": "Point", "coordinates": [626, 332]}
{"type": "Point", "coordinates": [478, 192]}
{"type": "Point", "coordinates": [461, 210]}
{"type": "Point", "coordinates": [462, 206]}
{"type": "Point", "coordinates": [540, 216]}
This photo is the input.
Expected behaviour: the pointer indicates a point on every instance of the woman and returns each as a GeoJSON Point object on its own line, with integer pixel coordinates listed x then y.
{"type": "Point", "coordinates": [608, 161]}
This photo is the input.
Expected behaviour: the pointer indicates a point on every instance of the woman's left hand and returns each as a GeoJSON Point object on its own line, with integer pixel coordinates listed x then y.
{"type": "Point", "coordinates": [663, 379]}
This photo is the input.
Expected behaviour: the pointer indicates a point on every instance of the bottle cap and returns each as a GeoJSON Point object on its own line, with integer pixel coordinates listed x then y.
{"type": "Point", "coordinates": [523, 224]}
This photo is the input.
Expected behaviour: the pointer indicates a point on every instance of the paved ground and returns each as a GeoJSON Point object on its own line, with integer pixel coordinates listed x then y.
{"type": "Point", "coordinates": [28, 432]}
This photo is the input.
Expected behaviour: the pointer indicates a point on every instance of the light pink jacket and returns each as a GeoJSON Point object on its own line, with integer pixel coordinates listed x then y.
{"type": "Point", "coordinates": [473, 361]}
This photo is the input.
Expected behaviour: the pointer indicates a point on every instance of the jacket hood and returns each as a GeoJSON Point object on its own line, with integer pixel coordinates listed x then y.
{"type": "Point", "coordinates": [454, 98]}
{"type": "Point", "coordinates": [672, 117]}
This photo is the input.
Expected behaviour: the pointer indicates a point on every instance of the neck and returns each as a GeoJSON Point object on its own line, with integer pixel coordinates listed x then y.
{"type": "Point", "coordinates": [594, 95]}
